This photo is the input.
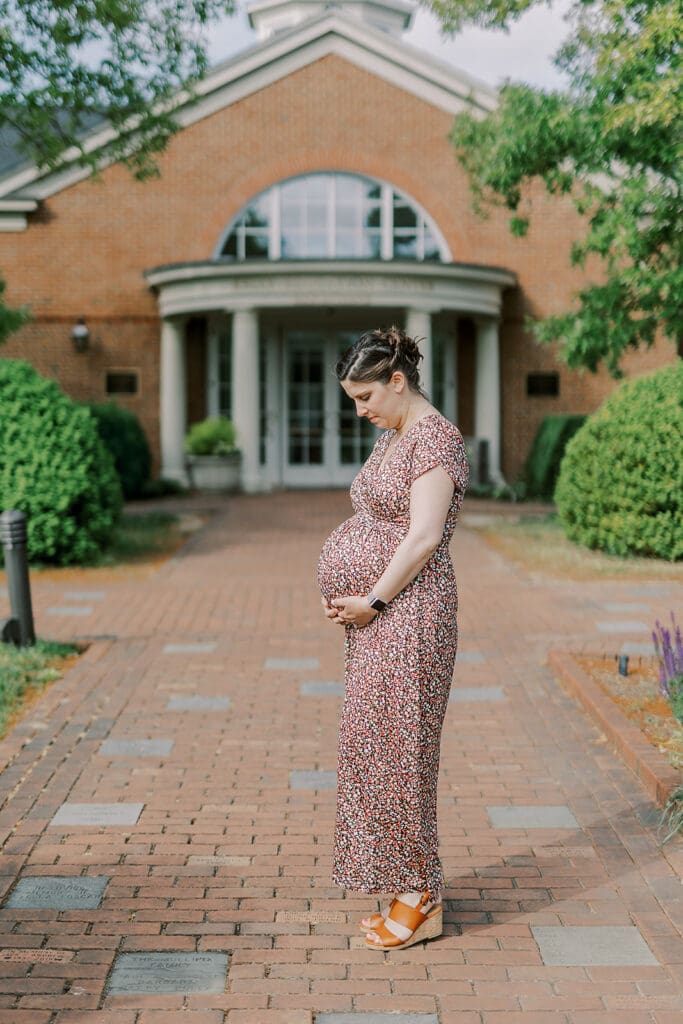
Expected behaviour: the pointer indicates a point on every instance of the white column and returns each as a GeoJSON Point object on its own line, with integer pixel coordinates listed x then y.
{"type": "Point", "coordinates": [487, 393]}
{"type": "Point", "coordinates": [212, 370]}
{"type": "Point", "coordinates": [172, 399]}
{"type": "Point", "coordinates": [245, 394]}
{"type": "Point", "coordinates": [419, 325]}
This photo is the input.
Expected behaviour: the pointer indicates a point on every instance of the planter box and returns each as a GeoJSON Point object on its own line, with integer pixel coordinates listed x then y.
{"type": "Point", "coordinates": [219, 473]}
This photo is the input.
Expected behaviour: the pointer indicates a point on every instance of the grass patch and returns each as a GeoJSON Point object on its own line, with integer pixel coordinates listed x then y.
{"type": "Point", "coordinates": [26, 671]}
{"type": "Point", "coordinates": [138, 539]}
{"type": "Point", "coordinates": [137, 536]}
{"type": "Point", "coordinates": [539, 545]}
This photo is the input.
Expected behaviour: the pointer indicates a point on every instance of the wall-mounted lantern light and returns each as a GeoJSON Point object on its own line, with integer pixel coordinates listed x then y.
{"type": "Point", "coordinates": [80, 335]}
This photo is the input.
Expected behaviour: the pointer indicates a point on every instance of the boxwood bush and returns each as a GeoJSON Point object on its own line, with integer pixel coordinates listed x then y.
{"type": "Point", "coordinates": [620, 486]}
{"type": "Point", "coordinates": [543, 463]}
{"type": "Point", "coordinates": [54, 468]}
{"type": "Point", "coordinates": [122, 433]}
{"type": "Point", "coordinates": [212, 436]}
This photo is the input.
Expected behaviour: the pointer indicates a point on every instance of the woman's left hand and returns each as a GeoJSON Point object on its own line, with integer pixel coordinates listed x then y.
{"type": "Point", "coordinates": [352, 611]}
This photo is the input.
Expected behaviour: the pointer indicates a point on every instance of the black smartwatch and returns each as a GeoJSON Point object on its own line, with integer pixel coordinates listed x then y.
{"type": "Point", "coordinates": [376, 602]}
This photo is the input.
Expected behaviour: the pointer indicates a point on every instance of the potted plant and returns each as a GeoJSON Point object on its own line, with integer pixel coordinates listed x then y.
{"type": "Point", "coordinates": [212, 460]}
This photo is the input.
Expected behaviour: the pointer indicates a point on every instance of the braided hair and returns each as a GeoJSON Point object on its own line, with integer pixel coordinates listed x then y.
{"type": "Point", "coordinates": [378, 354]}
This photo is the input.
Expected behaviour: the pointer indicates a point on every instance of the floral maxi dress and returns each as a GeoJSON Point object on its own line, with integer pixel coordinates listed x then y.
{"type": "Point", "coordinates": [398, 670]}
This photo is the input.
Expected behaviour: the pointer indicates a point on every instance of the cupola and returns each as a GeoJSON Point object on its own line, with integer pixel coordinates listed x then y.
{"type": "Point", "coordinates": [269, 17]}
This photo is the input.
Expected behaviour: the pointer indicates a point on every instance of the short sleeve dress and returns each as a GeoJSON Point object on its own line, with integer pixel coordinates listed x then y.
{"type": "Point", "coordinates": [398, 670]}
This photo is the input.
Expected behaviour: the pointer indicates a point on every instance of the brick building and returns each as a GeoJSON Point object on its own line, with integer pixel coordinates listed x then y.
{"type": "Point", "coordinates": [312, 193]}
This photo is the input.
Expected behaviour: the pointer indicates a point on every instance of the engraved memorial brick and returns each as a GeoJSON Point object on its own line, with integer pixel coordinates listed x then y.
{"type": "Point", "coordinates": [313, 779]}
{"type": "Point", "coordinates": [199, 647]}
{"type": "Point", "coordinates": [300, 664]}
{"type": "Point", "coordinates": [58, 892]}
{"type": "Point", "coordinates": [532, 816]}
{"type": "Point", "coordinates": [97, 814]}
{"type": "Point", "coordinates": [198, 703]}
{"type": "Point", "coordinates": [136, 748]}
{"type": "Point", "coordinates": [321, 689]}
{"type": "Point", "coordinates": [165, 973]}
{"type": "Point", "coordinates": [592, 946]}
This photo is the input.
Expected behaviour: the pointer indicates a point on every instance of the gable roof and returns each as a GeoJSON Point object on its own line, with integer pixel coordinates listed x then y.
{"type": "Point", "coordinates": [333, 32]}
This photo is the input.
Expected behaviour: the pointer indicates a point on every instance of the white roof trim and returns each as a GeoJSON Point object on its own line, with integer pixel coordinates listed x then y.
{"type": "Point", "coordinates": [188, 288]}
{"type": "Point", "coordinates": [391, 59]}
{"type": "Point", "coordinates": [13, 214]}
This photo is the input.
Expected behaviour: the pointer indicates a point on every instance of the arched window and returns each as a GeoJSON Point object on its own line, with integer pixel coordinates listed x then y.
{"type": "Point", "coordinates": [332, 216]}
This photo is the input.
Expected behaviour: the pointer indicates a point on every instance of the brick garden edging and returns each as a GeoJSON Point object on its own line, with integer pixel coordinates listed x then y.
{"type": "Point", "coordinates": [645, 760]}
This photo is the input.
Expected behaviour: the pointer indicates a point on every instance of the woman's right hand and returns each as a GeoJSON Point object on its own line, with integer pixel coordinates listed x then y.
{"type": "Point", "coordinates": [331, 613]}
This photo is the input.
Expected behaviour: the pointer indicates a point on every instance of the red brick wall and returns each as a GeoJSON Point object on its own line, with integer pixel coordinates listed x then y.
{"type": "Point", "coordinates": [86, 249]}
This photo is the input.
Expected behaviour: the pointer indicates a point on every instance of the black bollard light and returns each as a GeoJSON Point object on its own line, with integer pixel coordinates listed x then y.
{"type": "Point", "coordinates": [623, 664]}
{"type": "Point", "coordinates": [13, 537]}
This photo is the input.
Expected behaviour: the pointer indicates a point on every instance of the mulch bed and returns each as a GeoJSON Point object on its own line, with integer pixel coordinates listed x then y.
{"type": "Point", "coordinates": [638, 696]}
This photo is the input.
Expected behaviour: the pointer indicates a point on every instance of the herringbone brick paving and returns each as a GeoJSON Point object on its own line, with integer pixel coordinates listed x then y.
{"type": "Point", "coordinates": [227, 857]}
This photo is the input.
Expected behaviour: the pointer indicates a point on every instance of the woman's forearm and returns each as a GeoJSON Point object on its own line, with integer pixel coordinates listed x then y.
{"type": "Point", "coordinates": [410, 557]}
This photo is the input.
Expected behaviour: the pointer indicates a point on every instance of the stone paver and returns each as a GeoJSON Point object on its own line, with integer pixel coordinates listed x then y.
{"type": "Point", "coordinates": [533, 816]}
{"type": "Point", "coordinates": [622, 626]}
{"type": "Point", "coordinates": [597, 946]}
{"type": "Point", "coordinates": [322, 689]}
{"type": "Point", "coordinates": [164, 973]}
{"type": "Point", "coordinates": [136, 748]}
{"type": "Point", "coordinates": [223, 854]}
{"type": "Point", "coordinates": [73, 610]}
{"type": "Point", "coordinates": [55, 893]}
{"type": "Point", "coordinates": [468, 694]}
{"type": "Point", "coordinates": [291, 663]}
{"type": "Point", "coordinates": [198, 703]}
{"type": "Point", "coordinates": [319, 779]}
{"type": "Point", "coordinates": [97, 814]}
{"type": "Point", "coordinates": [203, 647]}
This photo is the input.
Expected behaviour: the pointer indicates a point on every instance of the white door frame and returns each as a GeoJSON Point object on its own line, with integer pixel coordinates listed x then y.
{"type": "Point", "coordinates": [331, 472]}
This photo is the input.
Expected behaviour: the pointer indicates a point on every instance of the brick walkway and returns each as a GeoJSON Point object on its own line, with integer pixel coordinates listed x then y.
{"type": "Point", "coordinates": [210, 872]}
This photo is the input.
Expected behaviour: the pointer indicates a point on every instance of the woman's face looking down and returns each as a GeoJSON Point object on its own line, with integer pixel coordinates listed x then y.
{"type": "Point", "coordinates": [382, 404]}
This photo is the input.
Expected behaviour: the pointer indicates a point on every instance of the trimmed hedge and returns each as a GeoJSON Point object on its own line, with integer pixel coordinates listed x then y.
{"type": "Point", "coordinates": [54, 468]}
{"type": "Point", "coordinates": [122, 433]}
{"type": "Point", "coordinates": [543, 462]}
{"type": "Point", "coordinates": [620, 486]}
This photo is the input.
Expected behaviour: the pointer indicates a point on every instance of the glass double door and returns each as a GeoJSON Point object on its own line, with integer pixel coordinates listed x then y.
{"type": "Point", "coordinates": [325, 442]}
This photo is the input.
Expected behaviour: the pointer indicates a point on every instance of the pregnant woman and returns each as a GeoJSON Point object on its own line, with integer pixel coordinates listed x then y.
{"type": "Point", "coordinates": [386, 576]}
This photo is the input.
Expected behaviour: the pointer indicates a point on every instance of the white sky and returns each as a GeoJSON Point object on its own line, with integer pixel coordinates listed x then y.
{"type": "Point", "coordinates": [522, 54]}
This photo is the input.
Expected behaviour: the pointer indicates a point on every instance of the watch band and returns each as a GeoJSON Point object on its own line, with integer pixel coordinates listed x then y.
{"type": "Point", "coordinates": [376, 602]}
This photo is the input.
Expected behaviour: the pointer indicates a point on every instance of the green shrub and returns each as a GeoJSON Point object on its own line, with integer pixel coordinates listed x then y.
{"type": "Point", "coordinates": [543, 462]}
{"type": "Point", "coordinates": [620, 486]}
{"type": "Point", "coordinates": [54, 468]}
{"type": "Point", "coordinates": [123, 435]}
{"type": "Point", "coordinates": [213, 436]}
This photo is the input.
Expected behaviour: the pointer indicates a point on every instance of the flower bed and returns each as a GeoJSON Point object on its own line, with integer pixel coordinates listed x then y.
{"type": "Point", "coordinates": [644, 757]}
{"type": "Point", "coordinates": [639, 697]}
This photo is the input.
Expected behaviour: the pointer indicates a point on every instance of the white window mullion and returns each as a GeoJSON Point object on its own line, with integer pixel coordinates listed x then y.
{"type": "Point", "coordinates": [420, 238]}
{"type": "Point", "coordinates": [387, 243]}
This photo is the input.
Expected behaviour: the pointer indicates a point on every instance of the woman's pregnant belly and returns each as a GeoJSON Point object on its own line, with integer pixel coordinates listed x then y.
{"type": "Point", "coordinates": [355, 555]}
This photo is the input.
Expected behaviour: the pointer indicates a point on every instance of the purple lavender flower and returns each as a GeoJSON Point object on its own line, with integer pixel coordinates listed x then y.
{"type": "Point", "coordinates": [670, 657]}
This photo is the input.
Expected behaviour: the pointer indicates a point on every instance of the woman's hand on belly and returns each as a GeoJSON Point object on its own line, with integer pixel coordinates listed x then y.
{"type": "Point", "coordinates": [352, 611]}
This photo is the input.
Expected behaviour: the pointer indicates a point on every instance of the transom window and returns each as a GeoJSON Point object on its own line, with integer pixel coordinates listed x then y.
{"type": "Point", "coordinates": [332, 216]}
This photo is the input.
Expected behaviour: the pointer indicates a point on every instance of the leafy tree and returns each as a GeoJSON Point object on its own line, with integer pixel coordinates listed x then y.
{"type": "Point", "coordinates": [66, 67]}
{"type": "Point", "coordinates": [613, 141]}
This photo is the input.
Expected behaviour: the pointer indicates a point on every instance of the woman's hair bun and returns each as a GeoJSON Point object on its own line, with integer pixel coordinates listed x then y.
{"type": "Point", "coordinates": [378, 354]}
{"type": "Point", "coordinates": [405, 348]}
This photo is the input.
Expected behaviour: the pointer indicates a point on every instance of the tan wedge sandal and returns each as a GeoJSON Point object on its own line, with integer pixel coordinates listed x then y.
{"type": "Point", "coordinates": [420, 926]}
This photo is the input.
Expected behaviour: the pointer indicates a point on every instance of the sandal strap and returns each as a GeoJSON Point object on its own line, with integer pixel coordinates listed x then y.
{"type": "Point", "coordinates": [409, 917]}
